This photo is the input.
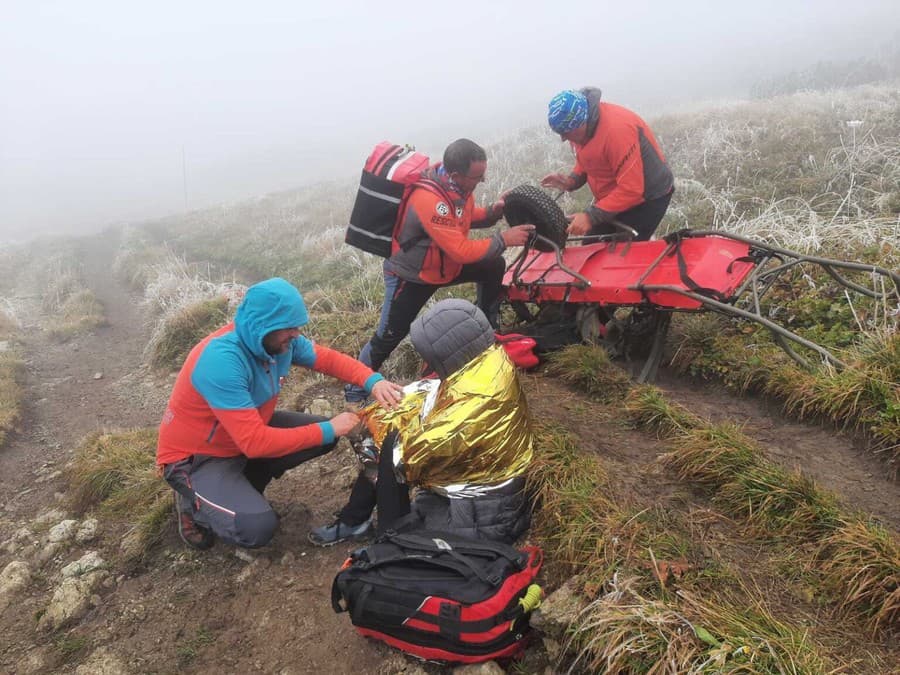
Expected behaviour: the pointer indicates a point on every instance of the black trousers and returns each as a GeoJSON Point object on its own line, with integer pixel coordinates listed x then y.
{"type": "Point", "coordinates": [644, 218]}
{"type": "Point", "coordinates": [410, 297]}
{"type": "Point", "coordinates": [389, 496]}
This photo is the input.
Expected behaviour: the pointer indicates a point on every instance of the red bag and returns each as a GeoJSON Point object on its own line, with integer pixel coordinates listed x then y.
{"type": "Point", "coordinates": [519, 348]}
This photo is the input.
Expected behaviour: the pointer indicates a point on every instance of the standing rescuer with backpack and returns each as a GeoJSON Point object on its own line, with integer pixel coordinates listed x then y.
{"type": "Point", "coordinates": [431, 249]}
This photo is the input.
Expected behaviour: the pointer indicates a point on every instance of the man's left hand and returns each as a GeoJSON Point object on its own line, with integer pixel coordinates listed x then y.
{"type": "Point", "coordinates": [388, 394]}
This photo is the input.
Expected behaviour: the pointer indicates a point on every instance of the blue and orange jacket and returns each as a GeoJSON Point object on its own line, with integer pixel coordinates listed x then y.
{"type": "Point", "coordinates": [227, 389]}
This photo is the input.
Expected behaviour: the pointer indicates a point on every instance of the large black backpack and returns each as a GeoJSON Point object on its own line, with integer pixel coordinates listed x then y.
{"type": "Point", "coordinates": [439, 596]}
{"type": "Point", "coordinates": [389, 175]}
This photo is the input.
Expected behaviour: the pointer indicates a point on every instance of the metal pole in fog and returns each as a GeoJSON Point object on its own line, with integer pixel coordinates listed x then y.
{"type": "Point", "coordinates": [184, 177]}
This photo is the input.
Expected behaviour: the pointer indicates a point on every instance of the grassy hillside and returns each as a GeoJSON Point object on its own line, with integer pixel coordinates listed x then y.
{"type": "Point", "coordinates": [735, 564]}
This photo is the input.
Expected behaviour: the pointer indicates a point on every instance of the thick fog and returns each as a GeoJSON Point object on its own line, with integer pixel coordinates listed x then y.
{"type": "Point", "coordinates": [115, 111]}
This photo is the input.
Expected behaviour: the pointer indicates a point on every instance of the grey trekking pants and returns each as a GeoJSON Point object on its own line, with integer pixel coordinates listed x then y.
{"type": "Point", "coordinates": [225, 493]}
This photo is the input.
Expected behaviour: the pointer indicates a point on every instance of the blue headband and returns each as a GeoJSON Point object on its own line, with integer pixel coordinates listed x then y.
{"type": "Point", "coordinates": [568, 110]}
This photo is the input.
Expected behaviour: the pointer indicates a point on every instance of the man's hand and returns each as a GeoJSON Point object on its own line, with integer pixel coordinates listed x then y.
{"type": "Point", "coordinates": [388, 394]}
{"type": "Point", "coordinates": [518, 235]}
{"type": "Point", "coordinates": [344, 423]}
{"type": "Point", "coordinates": [557, 181]}
{"type": "Point", "coordinates": [580, 225]}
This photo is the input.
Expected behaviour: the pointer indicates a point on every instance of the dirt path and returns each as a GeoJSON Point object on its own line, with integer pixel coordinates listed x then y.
{"type": "Point", "coordinates": [65, 399]}
{"type": "Point", "coordinates": [270, 611]}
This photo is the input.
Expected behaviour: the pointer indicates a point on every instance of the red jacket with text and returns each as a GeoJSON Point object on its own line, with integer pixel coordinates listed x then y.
{"type": "Point", "coordinates": [431, 243]}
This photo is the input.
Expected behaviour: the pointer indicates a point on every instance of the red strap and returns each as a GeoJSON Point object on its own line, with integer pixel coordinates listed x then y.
{"type": "Point", "coordinates": [393, 151]}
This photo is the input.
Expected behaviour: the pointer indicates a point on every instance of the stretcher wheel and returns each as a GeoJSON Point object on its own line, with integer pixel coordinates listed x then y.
{"type": "Point", "coordinates": [530, 204]}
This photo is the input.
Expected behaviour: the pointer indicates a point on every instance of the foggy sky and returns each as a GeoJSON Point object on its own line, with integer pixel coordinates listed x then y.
{"type": "Point", "coordinates": [108, 108]}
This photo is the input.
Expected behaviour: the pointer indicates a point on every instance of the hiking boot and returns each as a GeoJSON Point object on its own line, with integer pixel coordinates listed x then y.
{"type": "Point", "coordinates": [194, 535]}
{"type": "Point", "coordinates": [329, 535]}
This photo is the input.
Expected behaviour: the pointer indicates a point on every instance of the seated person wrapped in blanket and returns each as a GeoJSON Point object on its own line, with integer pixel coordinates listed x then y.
{"type": "Point", "coordinates": [463, 441]}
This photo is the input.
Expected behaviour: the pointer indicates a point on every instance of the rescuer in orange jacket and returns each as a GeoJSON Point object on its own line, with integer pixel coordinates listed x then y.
{"type": "Point", "coordinates": [432, 249]}
{"type": "Point", "coordinates": [617, 155]}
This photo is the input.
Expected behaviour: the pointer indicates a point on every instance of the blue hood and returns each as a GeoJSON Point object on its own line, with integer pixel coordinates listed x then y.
{"type": "Point", "coordinates": [270, 305]}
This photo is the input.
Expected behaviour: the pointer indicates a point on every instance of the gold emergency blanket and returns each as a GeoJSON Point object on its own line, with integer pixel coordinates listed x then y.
{"type": "Point", "coordinates": [473, 431]}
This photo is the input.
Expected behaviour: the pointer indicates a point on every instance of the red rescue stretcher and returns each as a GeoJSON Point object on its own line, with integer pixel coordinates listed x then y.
{"type": "Point", "coordinates": [688, 271]}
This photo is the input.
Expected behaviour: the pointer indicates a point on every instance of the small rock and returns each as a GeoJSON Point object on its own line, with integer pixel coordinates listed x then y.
{"type": "Point", "coordinates": [34, 661]}
{"type": "Point", "coordinates": [244, 554]}
{"type": "Point", "coordinates": [288, 559]}
{"type": "Point", "coordinates": [102, 662]}
{"type": "Point", "coordinates": [70, 600]}
{"type": "Point", "coordinates": [89, 562]}
{"type": "Point", "coordinates": [14, 577]}
{"type": "Point", "coordinates": [62, 531]}
{"type": "Point", "coordinates": [98, 376]}
{"type": "Point", "coordinates": [46, 478]}
{"type": "Point", "coordinates": [322, 407]}
{"type": "Point", "coordinates": [559, 610]}
{"type": "Point", "coordinates": [49, 516]}
{"type": "Point", "coordinates": [132, 545]}
{"type": "Point", "coordinates": [486, 668]}
{"type": "Point", "coordinates": [87, 531]}
{"type": "Point", "coordinates": [47, 553]}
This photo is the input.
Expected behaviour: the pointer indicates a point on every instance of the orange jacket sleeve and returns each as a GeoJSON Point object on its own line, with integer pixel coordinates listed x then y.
{"type": "Point", "coordinates": [343, 367]}
{"type": "Point", "coordinates": [257, 439]}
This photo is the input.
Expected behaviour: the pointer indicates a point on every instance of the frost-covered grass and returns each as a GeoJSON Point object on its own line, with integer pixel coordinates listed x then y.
{"type": "Point", "coordinates": [182, 305]}
{"type": "Point", "coordinates": [12, 369]}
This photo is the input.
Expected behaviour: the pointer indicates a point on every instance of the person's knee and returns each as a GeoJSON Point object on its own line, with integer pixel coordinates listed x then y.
{"type": "Point", "coordinates": [252, 530]}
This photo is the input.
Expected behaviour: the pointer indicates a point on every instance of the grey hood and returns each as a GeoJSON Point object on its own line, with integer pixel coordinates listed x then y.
{"type": "Point", "coordinates": [450, 334]}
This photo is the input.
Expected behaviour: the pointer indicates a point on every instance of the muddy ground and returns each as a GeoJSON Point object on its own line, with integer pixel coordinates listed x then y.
{"type": "Point", "coordinates": [269, 611]}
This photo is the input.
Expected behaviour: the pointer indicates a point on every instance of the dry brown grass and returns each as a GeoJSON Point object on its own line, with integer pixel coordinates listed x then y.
{"type": "Point", "coordinates": [183, 329]}
{"type": "Point", "coordinates": [79, 312]}
{"type": "Point", "coordinates": [623, 631]}
{"type": "Point", "coordinates": [12, 369]}
{"type": "Point", "coordinates": [860, 565]}
{"type": "Point", "coordinates": [115, 472]}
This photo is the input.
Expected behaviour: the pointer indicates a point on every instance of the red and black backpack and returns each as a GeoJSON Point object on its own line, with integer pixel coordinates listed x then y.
{"type": "Point", "coordinates": [389, 175]}
{"type": "Point", "coordinates": [440, 596]}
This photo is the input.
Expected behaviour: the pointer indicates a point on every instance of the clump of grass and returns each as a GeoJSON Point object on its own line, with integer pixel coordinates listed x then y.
{"type": "Point", "coordinates": [624, 632]}
{"type": "Point", "coordinates": [12, 370]}
{"type": "Point", "coordinates": [568, 486]}
{"type": "Point", "coordinates": [182, 330]}
{"type": "Point", "coordinates": [69, 645]}
{"type": "Point", "coordinates": [80, 312]}
{"type": "Point", "coordinates": [116, 473]}
{"type": "Point", "coordinates": [589, 368]}
{"type": "Point", "coordinates": [779, 502]}
{"type": "Point", "coordinates": [188, 648]}
{"type": "Point", "coordinates": [647, 407]}
{"type": "Point", "coordinates": [860, 565]}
